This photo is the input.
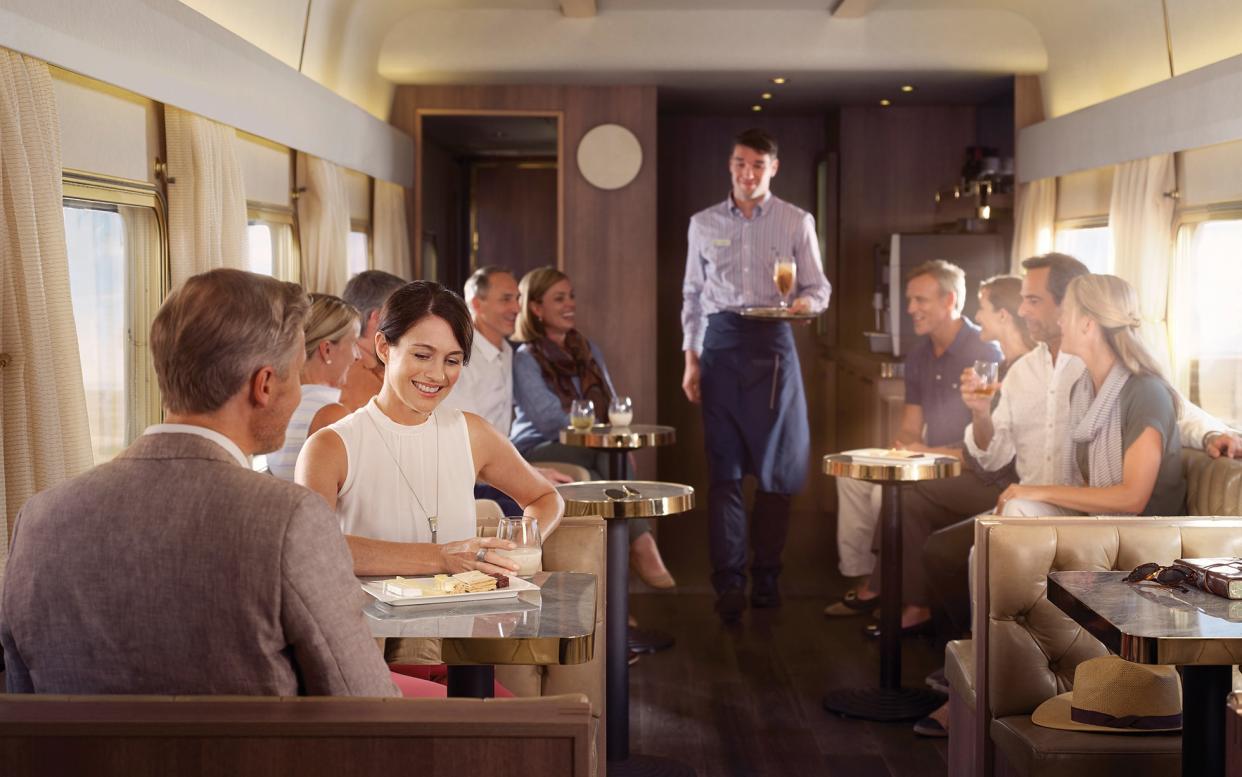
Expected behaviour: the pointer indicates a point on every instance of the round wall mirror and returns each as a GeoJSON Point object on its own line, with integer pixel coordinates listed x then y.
{"type": "Point", "coordinates": [609, 156]}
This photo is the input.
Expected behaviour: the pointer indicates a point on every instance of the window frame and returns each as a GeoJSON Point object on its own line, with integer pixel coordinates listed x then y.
{"type": "Point", "coordinates": [272, 214]}
{"type": "Point", "coordinates": [364, 226]}
{"type": "Point", "coordinates": [88, 190]}
{"type": "Point", "coordinates": [1082, 222]}
{"type": "Point", "coordinates": [1192, 218]}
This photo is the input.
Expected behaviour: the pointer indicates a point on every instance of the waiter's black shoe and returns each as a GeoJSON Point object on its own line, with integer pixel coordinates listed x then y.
{"type": "Point", "coordinates": [765, 594]}
{"type": "Point", "coordinates": [731, 604]}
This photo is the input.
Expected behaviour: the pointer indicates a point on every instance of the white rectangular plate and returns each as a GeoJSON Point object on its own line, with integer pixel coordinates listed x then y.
{"type": "Point", "coordinates": [887, 456]}
{"type": "Point", "coordinates": [516, 586]}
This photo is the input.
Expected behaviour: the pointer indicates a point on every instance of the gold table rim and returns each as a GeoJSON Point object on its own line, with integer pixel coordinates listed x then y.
{"type": "Point", "coordinates": [643, 507]}
{"type": "Point", "coordinates": [842, 465]}
{"type": "Point", "coordinates": [624, 438]}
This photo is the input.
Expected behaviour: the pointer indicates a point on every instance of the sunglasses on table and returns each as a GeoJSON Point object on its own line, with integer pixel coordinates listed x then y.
{"type": "Point", "coordinates": [625, 492]}
{"type": "Point", "coordinates": [1172, 577]}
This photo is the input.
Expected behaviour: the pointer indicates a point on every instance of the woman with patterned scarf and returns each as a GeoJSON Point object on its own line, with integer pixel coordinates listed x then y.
{"type": "Point", "coordinates": [554, 366]}
{"type": "Point", "coordinates": [1122, 453]}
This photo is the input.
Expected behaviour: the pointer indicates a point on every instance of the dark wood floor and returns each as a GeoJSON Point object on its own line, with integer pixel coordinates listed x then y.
{"type": "Point", "coordinates": [745, 700]}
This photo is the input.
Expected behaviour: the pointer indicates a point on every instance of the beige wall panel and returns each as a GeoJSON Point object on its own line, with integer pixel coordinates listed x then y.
{"type": "Point", "coordinates": [265, 169]}
{"type": "Point", "coordinates": [1204, 31]}
{"type": "Point", "coordinates": [104, 130]}
{"type": "Point", "coordinates": [1085, 194]}
{"type": "Point", "coordinates": [1212, 175]}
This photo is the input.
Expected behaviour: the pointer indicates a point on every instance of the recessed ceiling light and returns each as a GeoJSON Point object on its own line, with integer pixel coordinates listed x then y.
{"type": "Point", "coordinates": [778, 80]}
{"type": "Point", "coordinates": [756, 108]}
{"type": "Point", "coordinates": [766, 95]}
{"type": "Point", "coordinates": [885, 103]}
{"type": "Point", "coordinates": [907, 88]}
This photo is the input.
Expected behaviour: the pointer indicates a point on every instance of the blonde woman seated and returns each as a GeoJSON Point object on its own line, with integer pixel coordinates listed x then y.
{"type": "Point", "coordinates": [400, 473]}
{"type": "Point", "coordinates": [1122, 454]}
{"type": "Point", "coordinates": [331, 330]}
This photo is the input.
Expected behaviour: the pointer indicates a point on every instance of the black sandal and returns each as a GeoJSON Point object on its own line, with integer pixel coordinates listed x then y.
{"type": "Point", "coordinates": [850, 604]}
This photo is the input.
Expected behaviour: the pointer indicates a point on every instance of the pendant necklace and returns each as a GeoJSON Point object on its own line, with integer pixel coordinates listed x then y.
{"type": "Point", "coordinates": [433, 522]}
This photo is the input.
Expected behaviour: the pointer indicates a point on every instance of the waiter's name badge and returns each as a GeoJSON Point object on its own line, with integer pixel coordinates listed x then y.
{"type": "Point", "coordinates": [723, 241]}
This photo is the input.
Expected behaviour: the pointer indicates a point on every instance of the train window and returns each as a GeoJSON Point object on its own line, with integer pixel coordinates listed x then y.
{"type": "Point", "coordinates": [116, 264]}
{"type": "Point", "coordinates": [272, 250]}
{"type": "Point", "coordinates": [1091, 245]}
{"type": "Point", "coordinates": [358, 253]}
{"type": "Point", "coordinates": [1212, 270]}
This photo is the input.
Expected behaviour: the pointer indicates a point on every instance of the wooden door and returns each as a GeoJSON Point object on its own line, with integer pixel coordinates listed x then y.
{"type": "Point", "coordinates": [513, 210]}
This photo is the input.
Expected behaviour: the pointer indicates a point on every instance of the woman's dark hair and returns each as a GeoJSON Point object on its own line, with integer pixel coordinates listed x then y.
{"type": "Point", "coordinates": [415, 301]}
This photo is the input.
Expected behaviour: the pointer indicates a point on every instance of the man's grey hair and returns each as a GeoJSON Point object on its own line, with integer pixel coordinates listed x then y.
{"type": "Point", "coordinates": [480, 281]}
{"type": "Point", "coordinates": [950, 278]}
{"type": "Point", "coordinates": [369, 290]}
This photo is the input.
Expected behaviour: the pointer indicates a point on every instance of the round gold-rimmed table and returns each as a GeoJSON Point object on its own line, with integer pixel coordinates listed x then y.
{"type": "Point", "coordinates": [617, 442]}
{"type": "Point", "coordinates": [889, 701]}
{"type": "Point", "coordinates": [617, 501]}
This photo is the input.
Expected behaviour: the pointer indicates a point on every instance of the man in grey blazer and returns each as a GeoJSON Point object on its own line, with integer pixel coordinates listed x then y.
{"type": "Point", "coordinates": [174, 568]}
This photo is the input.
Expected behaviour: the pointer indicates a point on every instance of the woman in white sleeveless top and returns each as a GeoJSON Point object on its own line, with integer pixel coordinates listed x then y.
{"type": "Point", "coordinates": [332, 329]}
{"type": "Point", "coordinates": [399, 472]}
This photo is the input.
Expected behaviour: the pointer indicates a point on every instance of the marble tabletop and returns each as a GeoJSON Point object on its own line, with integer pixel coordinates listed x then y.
{"type": "Point", "coordinates": [1149, 624]}
{"type": "Point", "coordinates": [554, 625]}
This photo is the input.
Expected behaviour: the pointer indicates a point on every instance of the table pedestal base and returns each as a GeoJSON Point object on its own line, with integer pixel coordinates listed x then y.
{"type": "Point", "coordinates": [472, 681]}
{"type": "Point", "coordinates": [883, 705]}
{"type": "Point", "coordinates": [649, 640]}
{"type": "Point", "coordinates": [649, 766]}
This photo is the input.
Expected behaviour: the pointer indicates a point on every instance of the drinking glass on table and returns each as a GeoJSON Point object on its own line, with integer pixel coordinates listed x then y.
{"type": "Point", "coordinates": [621, 411]}
{"type": "Point", "coordinates": [582, 414]}
{"type": "Point", "coordinates": [522, 531]}
{"type": "Point", "coordinates": [988, 380]}
{"type": "Point", "coordinates": [784, 275]}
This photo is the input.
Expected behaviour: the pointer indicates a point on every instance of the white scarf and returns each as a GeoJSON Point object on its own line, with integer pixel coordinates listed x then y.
{"type": "Point", "coordinates": [1095, 419]}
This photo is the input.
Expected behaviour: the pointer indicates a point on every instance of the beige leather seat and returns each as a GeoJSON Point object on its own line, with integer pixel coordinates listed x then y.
{"type": "Point", "coordinates": [1214, 489]}
{"type": "Point", "coordinates": [1026, 649]}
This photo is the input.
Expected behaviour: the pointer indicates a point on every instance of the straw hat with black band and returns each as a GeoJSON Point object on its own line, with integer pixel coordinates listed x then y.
{"type": "Point", "coordinates": [1114, 696]}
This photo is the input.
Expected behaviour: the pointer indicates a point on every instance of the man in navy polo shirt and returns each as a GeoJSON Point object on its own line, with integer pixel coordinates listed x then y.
{"type": "Point", "coordinates": [934, 414]}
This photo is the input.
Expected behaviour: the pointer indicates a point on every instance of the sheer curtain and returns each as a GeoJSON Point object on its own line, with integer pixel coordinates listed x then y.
{"type": "Point", "coordinates": [206, 196]}
{"type": "Point", "coordinates": [1034, 221]}
{"type": "Point", "coordinates": [44, 431]}
{"type": "Point", "coordinates": [1141, 219]}
{"type": "Point", "coordinates": [388, 224]}
{"type": "Point", "coordinates": [323, 225]}
{"type": "Point", "coordinates": [142, 252]}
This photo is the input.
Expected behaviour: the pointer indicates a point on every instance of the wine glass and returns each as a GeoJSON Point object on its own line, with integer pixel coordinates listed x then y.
{"type": "Point", "coordinates": [784, 275]}
{"type": "Point", "coordinates": [582, 414]}
{"type": "Point", "coordinates": [522, 531]}
{"type": "Point", "coordinates": [621, 411]}
{"type": "Point", "coordinates": [987, 372]}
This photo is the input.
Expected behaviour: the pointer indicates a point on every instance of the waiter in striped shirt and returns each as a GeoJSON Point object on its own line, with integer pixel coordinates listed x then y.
{"type": "Point", "coordinates": [745, 372]}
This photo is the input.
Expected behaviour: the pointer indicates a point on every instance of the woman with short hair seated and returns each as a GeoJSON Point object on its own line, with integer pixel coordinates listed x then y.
{"type": "Point", "coordinates": [1122, 454]}
{"type": "Point", "coordinates": [332, 327]}
{"type": "Point", "coordinates": [554, 366]}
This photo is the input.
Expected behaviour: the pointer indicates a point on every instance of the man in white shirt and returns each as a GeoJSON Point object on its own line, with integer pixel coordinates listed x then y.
{"type": "Point", "coordinates": [486, 383]}
{"type": "Point", "coordinates": [1029, 422]}
{"type": "Point", "coordinates": [485, 386]}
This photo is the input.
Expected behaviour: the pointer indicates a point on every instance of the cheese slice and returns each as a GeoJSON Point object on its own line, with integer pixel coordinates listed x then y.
{"type": "Point", "coordinates": [405, 587]}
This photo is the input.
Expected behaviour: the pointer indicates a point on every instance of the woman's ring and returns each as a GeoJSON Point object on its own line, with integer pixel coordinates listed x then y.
{"type": "Point", "coordinates": [479, 556]}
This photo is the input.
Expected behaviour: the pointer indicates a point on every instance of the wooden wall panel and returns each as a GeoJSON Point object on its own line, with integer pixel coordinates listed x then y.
{"type": "Point", "coordinates": [609, 236]}
{"type": "Point", "coordinates": [892, 162]}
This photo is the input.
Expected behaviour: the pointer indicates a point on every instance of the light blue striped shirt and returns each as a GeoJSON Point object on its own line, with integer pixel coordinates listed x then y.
{"type": "Point", "coordinates": [731, 258]}
{"type": "Point", "coordinates": [314, 398]}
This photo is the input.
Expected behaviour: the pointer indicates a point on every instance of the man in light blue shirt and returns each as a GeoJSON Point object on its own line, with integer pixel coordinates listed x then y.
{"type": "Point", "coordinates": [744, 371]}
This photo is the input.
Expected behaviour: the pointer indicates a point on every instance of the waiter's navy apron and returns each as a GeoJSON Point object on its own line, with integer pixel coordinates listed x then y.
{"type": "Point", "coordinates": [754, 407]}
